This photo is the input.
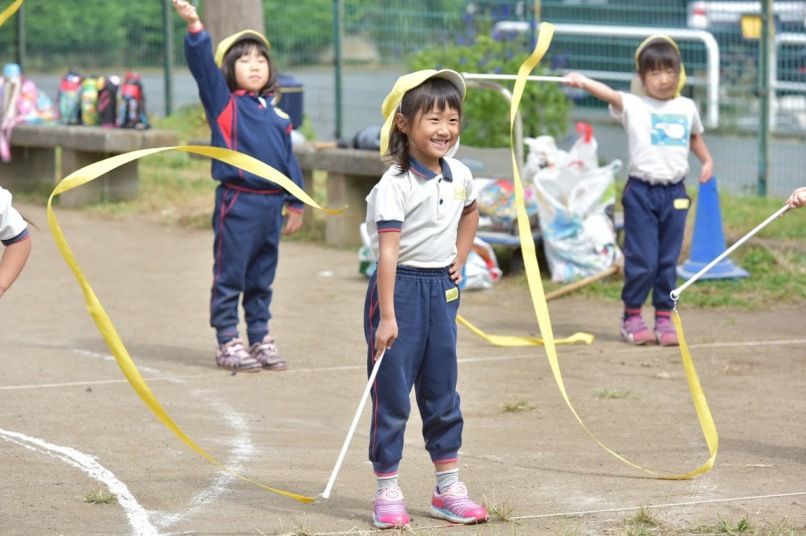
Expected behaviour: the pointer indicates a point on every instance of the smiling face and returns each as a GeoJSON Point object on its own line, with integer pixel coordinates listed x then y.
{"type": "Point", "coordinates": [431, 134]}
{"type": "Point", "coordinates": [252, 70]}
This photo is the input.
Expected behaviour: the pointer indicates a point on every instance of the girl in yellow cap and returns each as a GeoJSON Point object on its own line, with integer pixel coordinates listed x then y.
{"type": "Point", "coordinates": [422, 217]}
{"type": "Point", "coordinates": [662, 127]}
{"type": "Point", "coordinates": [236, 86]}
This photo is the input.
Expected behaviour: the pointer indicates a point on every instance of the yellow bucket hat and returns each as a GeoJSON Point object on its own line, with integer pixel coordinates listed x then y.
{"type": "Point", "coordinates": [227, 43]}
{"type": "Point", "coordinates": [406, 83]}
{"type": "Point", "coordinates": [635, 86]}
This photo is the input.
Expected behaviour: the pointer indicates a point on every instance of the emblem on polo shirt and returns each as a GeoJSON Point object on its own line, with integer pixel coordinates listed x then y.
{"type": "Point", "coordinates": [459, 194]}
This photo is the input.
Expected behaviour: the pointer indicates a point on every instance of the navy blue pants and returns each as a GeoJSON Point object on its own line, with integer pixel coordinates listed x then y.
{"type": "Point", "coordinates": [654, 225]}
{"type": "Point", "coordinates": [247, 229]}
{"type": "Point", "coordinates": [423, 356]}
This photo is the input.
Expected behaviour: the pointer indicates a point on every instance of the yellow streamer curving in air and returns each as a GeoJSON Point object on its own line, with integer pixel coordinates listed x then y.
{"type": "Point", "coordinates": [94, 306]}
{"type": "Point", "coordinates": [539, 299]}
{"type": "Point", "coordinates": [9, 11]}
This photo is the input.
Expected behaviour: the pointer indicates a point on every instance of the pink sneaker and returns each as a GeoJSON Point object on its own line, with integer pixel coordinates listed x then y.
{"type": "Point", "coordinates": [389, 509]}
{"type": "Point", "coordinates": [665, 331]}
{"type": "Point", "coordinates": [634, 331]}
{"type": "Point", "coordinates": [233, 356]}
{"type": "Point", "coordinates": [267, 355]}
{"type": "Point", "coordinates": [455, 506]}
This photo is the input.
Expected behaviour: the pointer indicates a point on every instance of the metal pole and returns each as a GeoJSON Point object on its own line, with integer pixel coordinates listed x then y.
{"type": "Point", "coordinates": [168, 74]}
{"type": "Point", "coordinates": [764, 97]}
{"type": "Point", "coordinates": [338, 26]}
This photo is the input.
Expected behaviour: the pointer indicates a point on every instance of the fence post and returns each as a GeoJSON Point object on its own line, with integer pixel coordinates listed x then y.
{"type": "Point", "coordinates": [764, 97]}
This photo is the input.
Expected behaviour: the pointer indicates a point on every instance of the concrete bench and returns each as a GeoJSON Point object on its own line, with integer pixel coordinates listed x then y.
{"type": "Point", "coordinates": [351, 174]}
{"type": "Point", "coordinates": [34, 159]}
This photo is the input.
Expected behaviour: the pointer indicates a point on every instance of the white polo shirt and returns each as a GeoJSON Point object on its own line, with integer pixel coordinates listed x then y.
{"type": "Point", "coordinates": [658, 135]}
{"type": "Point", "coordinates": [12, 227]}
{"type": "Point", "coordinates": [424, 208]}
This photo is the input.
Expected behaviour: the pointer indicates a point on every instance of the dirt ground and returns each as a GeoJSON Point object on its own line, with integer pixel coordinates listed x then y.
{"type": "Point", "coordinates": [70, 424]}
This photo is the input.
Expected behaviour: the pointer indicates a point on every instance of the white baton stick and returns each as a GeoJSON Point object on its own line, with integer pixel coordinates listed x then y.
{"type": "Point", "coordinates": [676, 292]}
{"type": "Point", "coordinates": [533, 78]}
{"type": "Point", "coordinates": [326, 493]}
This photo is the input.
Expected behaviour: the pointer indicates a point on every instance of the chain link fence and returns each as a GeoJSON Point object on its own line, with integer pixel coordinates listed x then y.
{"type": "Point", "coordinates": [347, 54]}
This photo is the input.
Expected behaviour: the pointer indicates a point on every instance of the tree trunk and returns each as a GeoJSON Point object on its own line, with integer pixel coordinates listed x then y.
{"type": "Point", "coordinates": [226, 17]}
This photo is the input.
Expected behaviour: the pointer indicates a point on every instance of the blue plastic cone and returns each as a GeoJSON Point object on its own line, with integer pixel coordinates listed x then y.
{"type": "Point", "coordinates": [708, 241]}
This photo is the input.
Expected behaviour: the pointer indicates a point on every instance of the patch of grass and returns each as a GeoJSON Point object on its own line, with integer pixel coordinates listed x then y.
{"type": "Point", "coordinates": [501, 512]}
{"type": "Point", "coordinates": [100, 496]}
{"type": "Point", "coordinates": [643, 523]}
{"type": "Point", "coordinates": [516, 406]}
{"type": "Point", "coordinates": [610, 394]}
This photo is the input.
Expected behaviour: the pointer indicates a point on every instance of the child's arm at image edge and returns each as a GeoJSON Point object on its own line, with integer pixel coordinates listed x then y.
{"type": "Point", "coordinates": [12, 262]}
{"type": "Point", "coordinates": [798, 198]}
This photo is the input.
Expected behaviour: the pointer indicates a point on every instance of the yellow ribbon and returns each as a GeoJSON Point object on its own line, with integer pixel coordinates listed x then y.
{"type": "Point", "coordinates": [539, 298]}
{"type": "Point", "coordinates": [96, 310]}
{"type": "Point", "coordinates": [522, 340]}
{"type": "Point", "coordinates": [9, 11]}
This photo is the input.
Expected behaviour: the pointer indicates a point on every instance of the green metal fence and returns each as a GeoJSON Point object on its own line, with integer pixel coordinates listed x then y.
{"type": "Point", "coordinates": [377, 40]}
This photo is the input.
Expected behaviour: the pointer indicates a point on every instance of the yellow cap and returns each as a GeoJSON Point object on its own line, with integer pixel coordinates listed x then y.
{"type": "Point", "coordinates": [227, 43]}
{"type": "Point", "coordinates": [635, 87]}
{"type": "Point", "coordinates": [409, 82]}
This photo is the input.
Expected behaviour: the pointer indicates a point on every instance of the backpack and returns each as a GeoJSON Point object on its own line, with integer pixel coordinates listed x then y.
{"type": "Point", "coordinates": [131, 105]}
{"type": "Point", "coordinates": [89, 101]}
{"type": "Point", "coordinates": [108, 87]}
{"type": "Point", "coordinates": [69, 99]}
{"type": "Point", "coordinates": [34, 107]}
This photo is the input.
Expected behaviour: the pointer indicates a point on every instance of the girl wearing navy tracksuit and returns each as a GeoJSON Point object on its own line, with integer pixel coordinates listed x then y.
{"type": "Point", "coordinates": [422, 217]}
{"type": "Point", "coordinates": [236, 86]}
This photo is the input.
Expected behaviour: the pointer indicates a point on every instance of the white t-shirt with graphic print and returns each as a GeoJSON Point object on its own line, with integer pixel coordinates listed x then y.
{"type": "Point", "coordinates": [658, 135]}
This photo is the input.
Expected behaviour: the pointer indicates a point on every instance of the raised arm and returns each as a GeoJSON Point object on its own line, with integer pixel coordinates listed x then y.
{"type": "Point", "coordinates": [598, 89]}
{"type": "Point", "coordinates": [188, 12]}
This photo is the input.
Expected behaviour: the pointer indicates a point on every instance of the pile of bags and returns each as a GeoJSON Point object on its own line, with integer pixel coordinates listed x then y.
{"type": "Point", "coordinates": [575, 205]}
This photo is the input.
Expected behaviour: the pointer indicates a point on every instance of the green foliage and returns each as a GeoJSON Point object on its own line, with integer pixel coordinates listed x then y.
{"type": "Point", "coordinates": [397, 27]}
{"type": "Point", "coordinates": [544, 107]}
{"type": "Point", "coordinates": [92, 35]}
{"type": "Point", "coordinates": [298, 30]}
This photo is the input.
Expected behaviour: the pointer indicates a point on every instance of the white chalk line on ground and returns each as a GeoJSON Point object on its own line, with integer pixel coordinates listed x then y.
{"type": "Point", "coordinates": [666, 505]}
{"type": "Point", "coordinates": [137, 516]}
{"type": "Point", "coordinates": [577, 513]}
{"type": "Point", "coordinates": [219, 375]}
{"type": "Point", "coordinates": [241, 449]}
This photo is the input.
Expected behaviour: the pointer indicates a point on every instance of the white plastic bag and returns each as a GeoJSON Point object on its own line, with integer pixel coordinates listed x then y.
{"type": "Point", "coordinates": [481, 270]}
{"type": "Point", "coordinates": [574, 198]}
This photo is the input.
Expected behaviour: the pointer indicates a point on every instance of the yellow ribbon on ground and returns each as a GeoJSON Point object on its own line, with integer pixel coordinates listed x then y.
{"type": "Point", "coordinates": [9, 11]}
{"type": "Point", "coordinates": [522, 340]}
{"type": "Point", "coordinates": [539, 299]}
{"type": "Point", "coordinates": [96, 310]}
